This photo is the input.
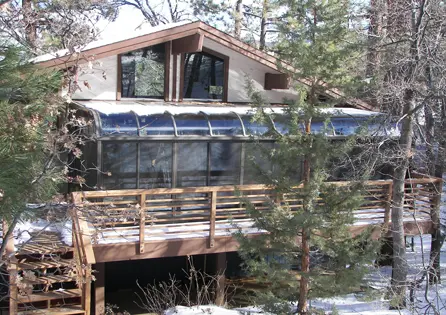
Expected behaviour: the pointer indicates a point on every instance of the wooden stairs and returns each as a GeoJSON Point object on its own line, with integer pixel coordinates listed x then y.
{"type": "Point", "coordinates": [48, 277]}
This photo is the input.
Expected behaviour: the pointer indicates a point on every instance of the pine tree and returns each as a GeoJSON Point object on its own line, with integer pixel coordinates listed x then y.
{"type": "Point", "coordinates": [28, 145]}
{"type": "Point", "coordinates": [315, 39]}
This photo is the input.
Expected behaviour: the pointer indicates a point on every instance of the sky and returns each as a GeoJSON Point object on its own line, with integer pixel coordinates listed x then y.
{"type": "Point", "coordinates": [129, 19]}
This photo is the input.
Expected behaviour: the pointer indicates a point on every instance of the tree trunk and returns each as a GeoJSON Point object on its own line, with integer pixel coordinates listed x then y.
{"type": "Point", "coordinates": [302, 306]}
{"type": "Point", "coordinates": [400, 266]}
{"type": "Point", "coordinates": [30, 27]}
{"type": "Point", "coordinates": [238, 19]}
{"type": "Point", "coordinates": [438, 238]}
{"type": "Point", "coordinates": [263, 22]}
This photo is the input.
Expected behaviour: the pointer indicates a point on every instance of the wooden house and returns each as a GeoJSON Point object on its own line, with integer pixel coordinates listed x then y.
{"type": "Point", "coordinates": [171, 130]}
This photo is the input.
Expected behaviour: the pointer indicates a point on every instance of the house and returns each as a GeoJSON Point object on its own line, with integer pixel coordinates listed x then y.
{"type": "Point", "coordinates": [171, 133]}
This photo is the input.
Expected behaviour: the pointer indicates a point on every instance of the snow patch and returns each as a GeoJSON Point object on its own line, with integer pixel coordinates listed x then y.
{"type": "Point", "coordinates": [200, 310]}
{"type": "Point", "coordinates": [143, 109]}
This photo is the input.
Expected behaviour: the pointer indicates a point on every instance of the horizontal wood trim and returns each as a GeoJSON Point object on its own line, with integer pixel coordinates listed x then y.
{"type": "Point", "coordinates": [168, 54]}
{"type": "Point", "coordinates": [198, 246]}
{"type": "Point", "coordinates": [188, 44]}
{"type": "Point", "coordinates": [124, 46]}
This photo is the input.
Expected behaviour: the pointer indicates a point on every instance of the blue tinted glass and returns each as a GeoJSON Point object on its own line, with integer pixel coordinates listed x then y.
{"type": "Point", "coordinates": [319, 127]}
{"type": "Point", "coordinates": [192, 125]}
{"type": "Point", "coordinates": [225, 125]}
{"type": "Point", "coordinates": [156, 125]}
{"type": "Point", "coordinates": [254, 128]}
{"type": "Point", "coordinates": [345, 126]}
{"type": "Point", "coordinates": [281, 124]}
{"type": "Point", "coordinates": [375, 126]}
{"type": "Point", "coordinates": [116, 124]}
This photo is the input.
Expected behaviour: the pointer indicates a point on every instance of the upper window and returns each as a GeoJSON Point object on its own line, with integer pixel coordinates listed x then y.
{"type": "Point", "coordinates": [143, 72]}
{"type": "Point", "coordinates": [203, 76]}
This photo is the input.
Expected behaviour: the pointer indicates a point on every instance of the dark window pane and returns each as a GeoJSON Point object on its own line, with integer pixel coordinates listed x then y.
{"type": "Point", "coordinates": [155, 170]}
{"type": "Point", "coordinates": [192, 125]}
{"type": "Point", "coordinates": [192, 164]}
{"type": "Point", "coordinates": [156, 125]}
{"type": "Point", "coordinates": [225, 125]}
{"type": "Point", "coordinates": [143, 72]}
{"type": "Point", "coordinates": [225, 163]}
{"type": "Point", "coordinates": [115, 124]}
{"type": "Point", "coordinates": [203, 76]}
{"type": "Point", "coordinates": [119, 160]}
{"type": "Point", "coordinates": [258, 164]}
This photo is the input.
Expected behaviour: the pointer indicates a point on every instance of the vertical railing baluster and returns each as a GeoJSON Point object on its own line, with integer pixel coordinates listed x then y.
{"type": "Point", "coordinates": [213, 215]}
{"type": "Point", "coordinates": [142, 222]}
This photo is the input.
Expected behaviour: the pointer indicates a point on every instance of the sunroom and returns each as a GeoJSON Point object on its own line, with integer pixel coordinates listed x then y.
{"type": "Point", "coordinates": [145, 146]}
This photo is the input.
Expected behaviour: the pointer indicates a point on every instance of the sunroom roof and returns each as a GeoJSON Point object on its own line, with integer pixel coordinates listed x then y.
{"type": "Point", "coordinates": [204, 119]}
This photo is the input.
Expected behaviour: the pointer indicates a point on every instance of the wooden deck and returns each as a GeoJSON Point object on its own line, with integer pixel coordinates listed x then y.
{"type": "Point", "coordinates": [164, 222]}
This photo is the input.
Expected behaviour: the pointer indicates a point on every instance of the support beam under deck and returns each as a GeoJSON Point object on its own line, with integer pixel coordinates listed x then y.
{"type": "Point", "coordinates": [99, 289]}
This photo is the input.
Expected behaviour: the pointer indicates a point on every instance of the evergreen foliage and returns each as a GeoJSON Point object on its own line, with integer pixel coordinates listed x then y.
{"type": "Point", "coordinates": [28, 116]}
{"type": "Point", "coordinates": [316, 40]}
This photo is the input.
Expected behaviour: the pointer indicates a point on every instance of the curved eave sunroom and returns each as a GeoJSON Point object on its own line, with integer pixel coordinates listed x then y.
{"type": "Point", "coordinates": [166, 146]}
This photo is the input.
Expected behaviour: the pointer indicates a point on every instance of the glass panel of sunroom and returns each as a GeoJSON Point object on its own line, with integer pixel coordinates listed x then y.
{"type": "Point", "coordinates": [155, 168]}
{"type": "Point", "coordinates": [258, 165]}
{"type": "Point", "coordinates": [192, 161]}
{"type": "Point", "coordinates": [119, 165]}
{"type": "Point", "coordinates": [195, 125]}
{"type": "Point", "coordinates": [254, 128]}
{"type": "Point", "coordinates": [225, 125]}
{"type": "Point", "coordinates": [345, 126]}
{"type": "Point", "coordinates": [156, 125]}
{"type": "Point", "coordinates": [225, 163]}
{"type": "Point", "coordinates": [118, 124]}
{"type": "Point", "coordinates": [143, 72]}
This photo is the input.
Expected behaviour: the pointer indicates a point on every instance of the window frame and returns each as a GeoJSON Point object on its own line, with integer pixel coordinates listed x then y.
{"type": "Point", "coordinates": [167, 56]}
{"type": "Point", "coordinates": [211, 52]}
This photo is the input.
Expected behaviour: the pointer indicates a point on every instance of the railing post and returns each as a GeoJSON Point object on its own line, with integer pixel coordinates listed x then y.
{"type": "Point", "coordinates": [86, 291]}
{"type": "Point", "coordinates": [12, 269]}
{"type": "Point", "coordinates": [13, 289]}
{"type": "Point", "coordinates": [388, 207]}
{"type": "Point", "coordinates": [212, 218]}
{"type": "Point", "coordinates": [142, 222]}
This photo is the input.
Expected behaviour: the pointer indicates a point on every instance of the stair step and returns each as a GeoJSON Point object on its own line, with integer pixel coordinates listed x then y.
{"type": "Point", "coordinates": [48, 279]}
{"type": "Point", "coordinates": [68, 310]}
{"type": "Point", "coordinates": [29, 249]}
{"type": "Point", "coordinates": [51, 295]}
{"type": "Point", "coordinates": [45, 264]}
{"type": "Point", "coordinates": [43, 242]}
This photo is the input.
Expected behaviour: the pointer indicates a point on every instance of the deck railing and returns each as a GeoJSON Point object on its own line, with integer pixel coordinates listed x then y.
{"type": "Point", "coordinates": [162, 213]}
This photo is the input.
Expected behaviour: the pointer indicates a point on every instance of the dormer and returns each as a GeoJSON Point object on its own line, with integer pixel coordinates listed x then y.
{"type": "Point", "coordinates": [180, 62]}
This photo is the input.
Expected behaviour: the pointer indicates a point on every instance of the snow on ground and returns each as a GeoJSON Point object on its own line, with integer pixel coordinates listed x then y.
{"type": "Point", "coordinates": [200, 310]}
{"type": "Point", "coordinates": [374, 304]}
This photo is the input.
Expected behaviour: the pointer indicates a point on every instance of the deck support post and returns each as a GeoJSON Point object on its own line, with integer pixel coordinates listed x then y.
{"type": "Point", "coordinates": [142, 222]}
{"type": "Point", "coordinates": [221, 279]}
{"type": "Point", "coordinates": [13, 290]}
{"type": "Point", "coordinates": [86, 291]}
{"type": "Point", "coordinates": [99, 289]}
{"type": "Point", "coordinates": [12, 270]}
{"type": "Point", "coordinates": [212, 218]}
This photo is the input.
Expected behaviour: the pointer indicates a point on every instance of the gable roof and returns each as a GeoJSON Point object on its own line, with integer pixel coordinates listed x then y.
{"type": "Point", "coordinates": [145, 37]}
